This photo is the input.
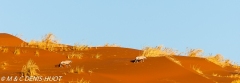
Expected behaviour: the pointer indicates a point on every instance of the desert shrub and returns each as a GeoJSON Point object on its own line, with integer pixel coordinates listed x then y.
{"type": "Point", "coordinates": [196, 69]}
{"type": "Point", "coordinates": [48, 42]}
{"type": "Point", "coordinates": [195, 53]}
{"type": "Point", "coordinates": [79, 47]}
{"type": "Point", "coordinates": [79, 81]}
{"type": "Point", "coordinates": [236, 81]}
{"type": "Point", "coordinates": [90, 72]}
{"type": "Point", "coordinates": [233, 76]}
{"type": "Point", "coordinates": [30, 69]}
{"type": "Point", "coordinates": [97, 56]}
{"type": "Point", "coordinates": [216, 75]}
{"type": "Point", "coordinates": [75, 55]}
{"type": "Point", "coordinates": [158, 51]}
{"type": "Point", "coordinates": [4, 50]}
{"type": "Point", "coordinates": [36, 53]}
{"type": "Point", "coordinates": [17, 51]}
{"type": "Point", "coordinates": [77, 70]}
{"type": "Point", "coordinates": [174, 60]}
{"type": "Point", "coordinates": [111, 45]}
{"type": "Point", "coordinates": [3, 65]}
{"type": "Point", "coordinates": [218, 60]}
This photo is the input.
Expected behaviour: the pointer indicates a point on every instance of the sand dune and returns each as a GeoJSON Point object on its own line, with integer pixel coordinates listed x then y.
{"type": "Point", "coordinates": [108, 65]}
{"type": "Point", "coordinates": [10, 40]}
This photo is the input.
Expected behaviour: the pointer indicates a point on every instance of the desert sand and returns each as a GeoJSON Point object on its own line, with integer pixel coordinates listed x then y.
{"type": "Point", "coordinates": [108, 65]}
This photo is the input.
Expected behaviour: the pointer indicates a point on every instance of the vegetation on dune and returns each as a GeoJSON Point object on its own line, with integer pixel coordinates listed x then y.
{"type": "Point", "coordinates": [49, 42]}
{"type": "Point", "coordinates": [236, 81]}
{"type": "Point", "coordinates": [229, 76]}
{"type": "Point", "coordinates": [174, 60]}
{"type": "Point", "coordinates": [79, 47]}
{"type": "Point", "coordinates": [3, 65]}
{"type": "Point", "coordinates": [37, 53]}
{"type": "Point", "coordinates": [17, 51]}
{"type": "Point", "coordinates": [97, 56]}
{"type": "Point", "coordinates": [4, 50]}
{"type": "Point", "coordinates": [90, 72]}
{"type": "Point", "coordinates": [219, 60]}
{"type": "Point", "coordinates": [75, 55]}
{"type": "Point", "coordinates": [77, 70]}
{"type": "Point", "coordinates": [30, 69]}
{"type": "Point", "coordinates": [158, 51]}
{"type": "Point", "coordinates": [111, 45]}
{"type": "Point", "coordinates": [197, 70]}
{"type": "Point", "coordinates": [195, 53]}
{"type": "Point", "coordinates": [79, 81]}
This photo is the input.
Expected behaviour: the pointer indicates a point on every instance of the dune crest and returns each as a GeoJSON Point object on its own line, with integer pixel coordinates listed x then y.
{"type": "Point", "coordinates": [10, 40]}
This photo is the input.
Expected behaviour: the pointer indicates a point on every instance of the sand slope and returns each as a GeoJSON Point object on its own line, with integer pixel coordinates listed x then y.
{"type": "Point", "coordinates": [10, 40]}
{"type": "Point", "coordinates": [113, 66]}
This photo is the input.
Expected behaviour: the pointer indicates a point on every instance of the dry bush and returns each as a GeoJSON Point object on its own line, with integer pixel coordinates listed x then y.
{"type": "Point", "coordinates": [4, 50]}
{"type": "Point", "coordinates": [97, 56]}
{"type": "Point", "coordinates": [216, 75]}
{"type": "Point", "coordinates": [71, 70]}
{"type": "Point", "coordinates": [48, 42]}
{"type": "Point", "coordinates": [233, 76]}
{"type": "Point", "coordinates": [79, 47]}
{"type": "Point", "coordinates": [79, 81]}
{"type": "Point", "coordinates": [111, 45]}
{"type": "Point", "coordinates": [90, 72]}
{"type": "Point", "coordinates": [36, 53]}
{"type": "Point", "coordinates": [64, 49]}
{"type": "Point", "coordinates": [218, 60]}
{"type": "Point", "coordinates": [158, 51]}
{"type": "Point", "coordinates": [3, 65]}
{"type": "Point", "coordinates": [174, 60]}
{"type": "Point", "coordinates": [195, 53]}
{"type": "Point", "coordinates": [17, 51]}
{"type": "Point", "coordinates": [197, 70]}
{"type": "Point", "coordinates": [236, 81]}
{"type": "Point", "coordinates": [75, 55]}
{"type": "Point", "coordinates": [30, 69]}
{"type": "Point", "coordinates": [77, 70]}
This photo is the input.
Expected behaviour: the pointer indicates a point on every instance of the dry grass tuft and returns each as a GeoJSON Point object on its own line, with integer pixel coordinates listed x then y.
{"type": "Point", "coordinates": [3, 65]}
{"type": "Point", "coordinates": [195, 53]}
{"type": "Point", "coordinates": [97, 56]}
{"type": "Point", "coordinates": [17, 51]}
{"type": "Point", "coordinates": [111, 45]}
{"type": "Point", "coordinates": [30, 69]}
{"type": "Point", "coordinates": [174, 60]}
{"type": "Point", "coordinates": [48, 42]}
{"type": "Point", "coordinates": [158, 51]}
{"type": "Point", "coordinates": [90, 72]}
{"type": "Point", "coordinates": [233, 76]}
{"type": "Point", "coordinates": [79, 47]}
{"type": "Point", "coordinates": [4, 50]}
{"type": "Point", "coordinates": [37, 53]}
{"type": "Point", "coordinates": [77, 70]}
{"type": "Point", "coordinates": [216, 75]}
{"type": "Point", "coordinates": [236, 81]}
{"type": "Point", "coordinates": [219, 60]}
{"type": "Point", "coordinates": [197, 70]}
{"type": "Point", "coordinates": [75, 55]}
{"type": "Point", "coordinates": [79, 81]}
